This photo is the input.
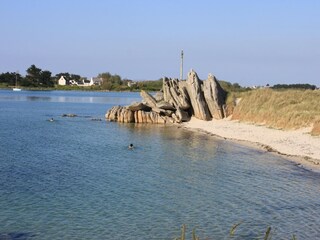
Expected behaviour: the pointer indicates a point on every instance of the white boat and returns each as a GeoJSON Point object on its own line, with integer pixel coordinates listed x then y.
{"type": "Point", "coordinates": [16, 87]}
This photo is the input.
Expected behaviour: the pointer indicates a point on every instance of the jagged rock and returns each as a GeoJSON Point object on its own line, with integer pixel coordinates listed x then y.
{"type": "Point", "coordinates": [214, 96]}
{"type": "Point", "coordinates": [159, 96]}
{"type": "Point", "coordinates": [158, 110]}
{"type": "Point", "coordinates": [179, 100]}
{"type": "Point", "coordinates": [175, 93]}
{"type": "Point", "coordinates": [182, 115]}
{"type": "Point", "coordinates": [199, 106]}
{"type": "Point", "coordinates": [148, 99]}
{"type": "Point", "coordinates": [148, 117]}
{"type": "Point", "coordinates": [138, 106]}
{"type": "Point", "coordinates": [120, 114]}
{"type": "Point", "coordinates": [165, 105]}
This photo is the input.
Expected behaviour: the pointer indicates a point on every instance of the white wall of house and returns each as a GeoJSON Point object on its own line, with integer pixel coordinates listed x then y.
{"type": "Point", "coordinates": [62, 81]}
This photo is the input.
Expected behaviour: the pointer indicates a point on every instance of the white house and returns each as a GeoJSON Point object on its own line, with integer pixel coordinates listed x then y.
{"type": "Point", "coordinates": [96, 81]}
{"type": "Point", "coordinates": [62, 81]}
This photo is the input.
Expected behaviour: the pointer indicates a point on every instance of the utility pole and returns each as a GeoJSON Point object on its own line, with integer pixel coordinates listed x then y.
{"type": "Point", "coordinates": [181, 66]}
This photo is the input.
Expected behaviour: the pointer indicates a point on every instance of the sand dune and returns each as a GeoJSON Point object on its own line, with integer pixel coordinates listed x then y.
{"type": "Point", "coordinates": [298, 145]}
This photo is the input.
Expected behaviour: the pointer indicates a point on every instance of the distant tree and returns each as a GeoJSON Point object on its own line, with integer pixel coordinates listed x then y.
{"type": "Point", "coordinates": [111, 82]}
{"type": "Point", "coordinates": [10, 78]}
{"type": "Point", "coordinates": [294, 86]}
{"type": "Point", "coordinates": [148, 85]}
{"type": "Point", "coordinates": [229, 87]}
{"type": "Point", "coordinates": [65, 75]}
{"type": "Point", "coordinates": [37, 78]}
{"type": "Point", "coordinates": [75, 77]}
{"type": "Point", "coordinates": [236, 86]}
{"type": "Point", "coordinates": [45, 79]}
{"type": "Point", "coordinates": [33, 76]}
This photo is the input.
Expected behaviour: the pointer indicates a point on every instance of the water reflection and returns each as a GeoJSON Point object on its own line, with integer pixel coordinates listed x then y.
{"type": "Point", "coordinates": [70, 97]}
{"type": "Point", "coordinates": [38, 99]}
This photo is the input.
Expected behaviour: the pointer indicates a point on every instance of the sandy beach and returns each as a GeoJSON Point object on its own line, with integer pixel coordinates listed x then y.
{"type": "Point", "coordinates": [297, 145]}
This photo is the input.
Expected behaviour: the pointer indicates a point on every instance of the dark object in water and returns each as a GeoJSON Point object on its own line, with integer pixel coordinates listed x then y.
{"type": "Point", "coordinates": [130, 146]}
{"type": "Point", "coordinates": [96, 119]}
{"type": "Point", "coordinates": [16, 236]}
{"type": "Point", "coordinates": [69, 115]}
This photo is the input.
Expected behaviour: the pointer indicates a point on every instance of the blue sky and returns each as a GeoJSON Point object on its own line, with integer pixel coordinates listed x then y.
{"type": "Point", "coordinates": [242, 41]}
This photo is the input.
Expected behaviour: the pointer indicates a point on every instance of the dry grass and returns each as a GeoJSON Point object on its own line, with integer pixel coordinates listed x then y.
{"type": "Point", "coordinates": [287, 109]}
{"type": "Point", "coordinates": [316, 128]}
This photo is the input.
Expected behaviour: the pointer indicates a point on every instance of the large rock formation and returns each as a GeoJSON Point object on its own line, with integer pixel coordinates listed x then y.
{"type": "Point", "coordinates": [175, 93]}
{"type": "Point", "coordinates": [215, 97]}
{"type": "Point", "coordinates": [199, 106]}
{"type": "Point", "coordinates": [178, 101]}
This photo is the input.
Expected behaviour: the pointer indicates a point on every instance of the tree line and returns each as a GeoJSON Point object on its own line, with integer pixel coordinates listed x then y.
{"type": "Point", "coordinates": [38, 78]}
{"type": "Point", "coordinates": [35, 77]}
{"type": "Point", "coordinates": [294, 86]}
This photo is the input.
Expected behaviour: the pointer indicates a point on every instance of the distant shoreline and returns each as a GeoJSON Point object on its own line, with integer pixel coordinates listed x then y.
{"type": "Point", "coordinates": [296, 145]}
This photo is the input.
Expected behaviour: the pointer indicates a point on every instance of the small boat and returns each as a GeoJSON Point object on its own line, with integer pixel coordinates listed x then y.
{"type": "Point", "coordinates": [16, 87]}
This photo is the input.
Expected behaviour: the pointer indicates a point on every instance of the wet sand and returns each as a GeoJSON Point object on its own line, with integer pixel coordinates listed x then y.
{"type": "Point", "coordinates": [297, 145]}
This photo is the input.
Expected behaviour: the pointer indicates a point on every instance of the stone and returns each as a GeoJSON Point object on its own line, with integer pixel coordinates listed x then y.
{"type": "Point", "coordinates": [165, 105]}
{"type": "Point", "coordinates": [148, 99]}
{"type": "Point", "coordinates": [69, 115]}
{"type": "Point", "coordinates": [120, 114]}
{"type": "Point", "coordinates": [182, 115]}
{"type": "Point", "coordinates": [159, 96]}
{"type": "Point", "coordinates": [138, 106]}
{"type": "Point", "coordinates": [175, 93]}
{"type": "Point", "coordinates": [198, 103]}
{"type": "Point", "coordinates": [176, 103]}
{"type": "Point", "coordinates": [214, 96]}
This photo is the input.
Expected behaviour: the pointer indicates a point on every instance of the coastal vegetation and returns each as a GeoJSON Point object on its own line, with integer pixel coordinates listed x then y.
{"type": "Point", "coordinates": [267, 235]}
{"type": "Point", "coordinates": [38, 79]}
{"type": "Point", "coordinates": [289, 109]}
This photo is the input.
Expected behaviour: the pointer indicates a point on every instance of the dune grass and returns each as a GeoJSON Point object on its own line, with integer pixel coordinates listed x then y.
{"type": "Point", "coordinates": [286, 109]}
{"type": "Point", "coordinates": [266, 236]}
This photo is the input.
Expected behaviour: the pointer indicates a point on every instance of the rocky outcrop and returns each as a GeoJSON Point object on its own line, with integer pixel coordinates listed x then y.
{"type": "Point", "coordinates": [215, 97]}
{"type": "Point", "coordinates": [174, 92]}
{"type": "Point", "coordinates": [148, 99]}
{"type": "Point", "coordinates": [176, 103]}
{"type": "Point", "coordinates": [139, 106]}
{"type": "Point", "coordinates": [199, 106]}
{"type": "Point", "coordinates": [120, 114]}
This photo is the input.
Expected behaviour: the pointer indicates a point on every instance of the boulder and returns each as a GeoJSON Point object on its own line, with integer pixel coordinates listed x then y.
{"type": "Point", "coordinates": [165, 105]}
{"type": "Point", "coordinates": [182, 115]}
{"type": "Point", "coordinates": [174, 93]}
{"type": "Point", "coordinates": [120, 114]}
{"type": "Point", "coordinates": [198, 103]}
{"type": "Point", "coordinates": [139, 106]}
{"type": "Point", "coordinates": [159, 96]}
{"type": "Point", "coordinates": [214, 96]}
{"type": "Point", "coordinates": [148, 99]}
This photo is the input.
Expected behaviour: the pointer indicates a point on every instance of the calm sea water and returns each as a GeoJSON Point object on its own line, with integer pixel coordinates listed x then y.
{"type": "Point", "coordinates": [74, 178]}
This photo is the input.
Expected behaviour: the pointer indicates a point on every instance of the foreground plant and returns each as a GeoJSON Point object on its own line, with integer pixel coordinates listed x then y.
{"type": "Point", "coordinates": [267, 235]}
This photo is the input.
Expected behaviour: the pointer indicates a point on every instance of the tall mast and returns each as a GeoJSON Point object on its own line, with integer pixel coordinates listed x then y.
{"type": "Point", "coordinates": [181, 66]}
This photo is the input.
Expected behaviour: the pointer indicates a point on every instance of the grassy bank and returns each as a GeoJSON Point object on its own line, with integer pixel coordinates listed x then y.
{"type": "Point", "coordinates": [281, 109]}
